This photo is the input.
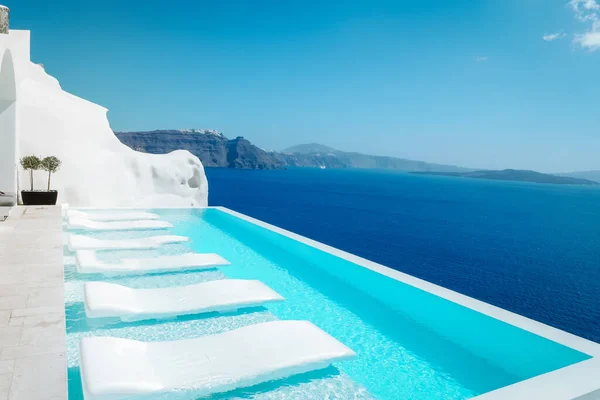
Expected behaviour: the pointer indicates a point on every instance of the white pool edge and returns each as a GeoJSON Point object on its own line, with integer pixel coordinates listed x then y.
{"type": "Point", "coordinates": [580, 380]}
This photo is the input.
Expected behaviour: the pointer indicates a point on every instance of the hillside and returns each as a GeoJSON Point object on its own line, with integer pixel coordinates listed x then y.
{"type": "Point", "coordinates": [516, 175]}
{"type": "Point", "coordinates": [216, 150]}
{"type": "Point", "coordinates": [315, 155]}
{"type": "Point", "coordinates": [310, 148]}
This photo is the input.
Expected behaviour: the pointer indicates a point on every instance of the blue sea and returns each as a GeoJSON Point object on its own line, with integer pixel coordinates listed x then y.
{"type": "Point", "coordinates": [529, 248]}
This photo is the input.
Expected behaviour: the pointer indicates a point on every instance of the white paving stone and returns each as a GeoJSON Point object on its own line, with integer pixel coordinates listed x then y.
{"type": "Point", "coordinates": [32, 327]}
{"type": "Point", "coordinates": [4, 317]}
{"type": "Point", "coordinates": [18, 321]}
{"type": "Point", "coordinates": [12, 302]}
{"type": "Point", "coordinates": [7, 366]}
{"type": "Point", "coordinates": [44, 320]}
{"type": "Point", "coordinates": [10, 336]}
{"type": "Point", "coordinates": [37, 311]}
{"type": "Point", "coordinates": [39, 378]}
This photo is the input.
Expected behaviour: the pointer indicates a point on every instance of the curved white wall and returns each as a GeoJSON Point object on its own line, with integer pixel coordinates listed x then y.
{"type": "Point", "coordinates": [98, 170]}
{"type": "Point", "coordinates": [8, 127]}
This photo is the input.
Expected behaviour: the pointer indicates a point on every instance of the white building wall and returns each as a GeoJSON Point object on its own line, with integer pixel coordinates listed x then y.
{"type": "Point", "coordinates": [98, 170]}
{"type": "Point", "coordinates": [8, 127]}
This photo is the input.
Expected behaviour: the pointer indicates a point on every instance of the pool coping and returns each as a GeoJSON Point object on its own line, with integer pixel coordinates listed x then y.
{"type": "Point", "coordinates": [580, 380]}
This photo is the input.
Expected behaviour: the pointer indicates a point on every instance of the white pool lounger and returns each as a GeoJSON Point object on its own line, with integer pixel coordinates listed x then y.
{"type": "Point", "coordinates": [86, 224]}
{"type": "Point", "coordinates": [112, 216]}
{"type": "Point", "coordinates": [104, 299]}
{"type": "Point", "coordinates": [81, 242]}
{"type": "Point", "coordinates": [113, 368]}
{"type": "Point", "coordinates": [87, 263]}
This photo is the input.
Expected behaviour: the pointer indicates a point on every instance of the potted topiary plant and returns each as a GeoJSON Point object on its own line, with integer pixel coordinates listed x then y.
{"type": "Point", "coordinates": [51, 165]}
{"type": "Point", "coordinates": [31, 163]}
{"type": "Point", "coordinates": [39, 197]}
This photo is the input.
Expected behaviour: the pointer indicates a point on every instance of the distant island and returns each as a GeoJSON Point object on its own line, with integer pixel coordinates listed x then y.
{"type": "Point", "coordinates": [216, 150]}
{"type": "Point", "coordinates": [589, 175]}
{"type": "Point", "coordinates": [516, 175]}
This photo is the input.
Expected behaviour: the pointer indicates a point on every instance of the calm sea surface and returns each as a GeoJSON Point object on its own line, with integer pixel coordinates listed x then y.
{"type": "Point", "coordinates": [532, 249]}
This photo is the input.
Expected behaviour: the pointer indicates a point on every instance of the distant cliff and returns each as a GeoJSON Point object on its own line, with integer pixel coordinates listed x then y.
{"type": "Point", "coordinates": [211, 147]}
{"type": "Point", "coordinates": [215, 150]}
{"type": "Point", "coordinates": [517, 175]}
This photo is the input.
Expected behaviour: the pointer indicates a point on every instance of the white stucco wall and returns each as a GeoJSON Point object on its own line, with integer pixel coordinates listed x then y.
{"type": "Point", "coordinates": [8, 149]}
{"type": "Point", "coordinates": [98, 170]}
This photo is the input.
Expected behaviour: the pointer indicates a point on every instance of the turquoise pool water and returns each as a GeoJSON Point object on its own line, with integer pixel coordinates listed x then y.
{"type": "Point", "coordinates": [410, 344]}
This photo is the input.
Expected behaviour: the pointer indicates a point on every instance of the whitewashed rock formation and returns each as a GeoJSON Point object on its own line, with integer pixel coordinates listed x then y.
{"type": "Point", "coordinates": [38, 117]}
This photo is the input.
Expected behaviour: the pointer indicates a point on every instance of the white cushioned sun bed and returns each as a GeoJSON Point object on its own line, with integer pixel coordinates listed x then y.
{"type": "Point", "coordinates": [104, 299]}
{"type": "Point", "coordinates": [113, 368]}
{"type": "Point", "coordinates": [86, 224]}
{"type": "Point", "coordinates": [87, 262]}
{"type": "Point", "coordinates": [112, 216]}
{"type": "Point", "coordinates": [81, 242]}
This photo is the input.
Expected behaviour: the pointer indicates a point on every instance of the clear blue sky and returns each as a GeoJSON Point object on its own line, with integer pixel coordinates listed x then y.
{"type": "Point", "coordinates": [479, 83]}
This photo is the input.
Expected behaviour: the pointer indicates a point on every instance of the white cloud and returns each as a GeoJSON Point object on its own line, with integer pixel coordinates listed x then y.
{"type": "Point", "coordinates": [587, 11]}
{"type": "Point", "coordinates": [553, 36]}
{"type": "Point", "coordinates": [591, 39]}
{"type": "Point", "coordinates": [481, 58]}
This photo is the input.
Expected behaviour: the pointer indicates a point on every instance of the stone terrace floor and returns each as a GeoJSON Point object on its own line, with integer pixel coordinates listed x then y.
{"type": "Point", "coordinates": [32, 314]}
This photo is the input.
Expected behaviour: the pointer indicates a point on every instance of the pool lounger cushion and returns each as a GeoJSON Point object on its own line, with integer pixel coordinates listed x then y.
{"type": "Point", "coordinates": [113, 368]}
{"type": "Point", "coordinates": [87, 262]}
{"type": "Point", "coordinates": [104, 299]}
{"type": "Point", "coordinates": [81, 242]}
{"type": "Point", "coordinates": [86, 224]}
{"type": "Point", "coordinates": [112, 216]}
{"type": "Point", "coordinates": [8, 199]}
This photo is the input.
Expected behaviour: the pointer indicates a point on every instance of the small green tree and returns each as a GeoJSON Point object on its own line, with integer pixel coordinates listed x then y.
{"type": "Point", "coordinates": [51, 164]}
{"type": "Point", "coordinates": [31, 163]}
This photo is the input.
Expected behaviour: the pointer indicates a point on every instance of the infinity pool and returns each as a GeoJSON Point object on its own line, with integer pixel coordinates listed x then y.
{"type": "Point", "coordinates": [410, 344]}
